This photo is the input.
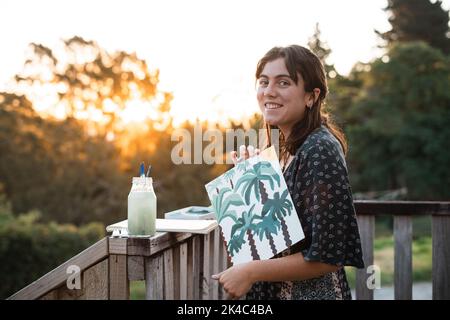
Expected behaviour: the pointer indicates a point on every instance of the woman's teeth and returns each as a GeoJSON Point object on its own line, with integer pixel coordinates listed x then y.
{"type": "Point", "coordinates": [273, 105]}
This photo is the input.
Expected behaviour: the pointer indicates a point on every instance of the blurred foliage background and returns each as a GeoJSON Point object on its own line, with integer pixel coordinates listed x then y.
{"type": "Point", "coordinates": [63, 180]}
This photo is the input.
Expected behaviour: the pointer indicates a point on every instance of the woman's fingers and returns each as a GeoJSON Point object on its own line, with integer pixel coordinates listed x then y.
{"type": "Point", "coordinates": [244, 153]}
{"type": "Point", "coordinates": [251, 151]}
{"type": "Point", "coordinates": [234, 157]}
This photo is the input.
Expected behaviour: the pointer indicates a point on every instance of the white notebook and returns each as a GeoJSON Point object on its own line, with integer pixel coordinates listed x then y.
{"type": "Point", "coordinates": [168, 225]}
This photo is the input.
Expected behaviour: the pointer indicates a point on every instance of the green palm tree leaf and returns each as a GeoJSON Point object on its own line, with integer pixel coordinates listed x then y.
{"type": "Point", "coordinates": [248, 176]}
{"type": "Point", "coordinates": [234, 228]}
{"type": "Point", "coordinates": [229, 214]}
{"type": "Point", "coordinates": [267, 169]}
{"type": "Point", "coordinates": [233, 199]}
{"type": "Point", "coordinates": [256, 189]}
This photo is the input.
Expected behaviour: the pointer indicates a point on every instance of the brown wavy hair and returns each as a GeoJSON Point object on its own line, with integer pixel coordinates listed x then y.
{"type": "Point", "coordinates": [300, 60]}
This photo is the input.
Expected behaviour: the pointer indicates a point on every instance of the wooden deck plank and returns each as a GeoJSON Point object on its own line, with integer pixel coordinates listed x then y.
{"type": "Point", "coordinates": [169, 275]}
{"type": "Point", "coordinates": [403, 258]}
{"type": "Point", "coordinates": [96, 281]}
{"type": "Point", "coordinates": [117, 245]}
{"type": "Point", "coordinates": [207, 267]}
{"type": "Point", "coordinates": [119, 285]}
{"type": "Point", "coordinates": [154, 277]}
{"type": "Point", "coordinates": [136, 269]}
{"type": "Point", "coordinates": [154, 245]}
{"type": "Point", "coordinates": [409, 208]}
{"type": "Point", "coordinates": [216, 267]}
{"type": "Point", "coordinates": [190, 269]}
{"type": "Point", "coordinates": [223, 264]}
{"type": "Point", "coordinates": [184, 271]}
{"type": "Point", "coordinates": [198, 266]}
{"type": "Point", "coordinates": [441, 257]}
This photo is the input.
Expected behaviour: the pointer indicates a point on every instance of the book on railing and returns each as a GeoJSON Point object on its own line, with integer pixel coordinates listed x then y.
{"type": "Point", "coordinates": [254, 209]}
{"type": "Point", "coordinates": [191, 213]}
{"type": "Point", "coordinates": [120, 229]}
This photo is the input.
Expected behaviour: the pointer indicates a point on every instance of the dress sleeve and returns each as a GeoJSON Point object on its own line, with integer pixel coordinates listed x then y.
{"type": "Point", "coordinates": [328, 205]}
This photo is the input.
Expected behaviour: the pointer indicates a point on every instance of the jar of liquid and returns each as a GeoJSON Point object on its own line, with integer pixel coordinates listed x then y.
{"type": "Point", "coordinates": [142, 208]}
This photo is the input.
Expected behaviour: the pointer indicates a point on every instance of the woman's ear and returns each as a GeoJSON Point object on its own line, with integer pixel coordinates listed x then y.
{"type": "Point", "coordinates": [316, 92]}
{"type": "Point", "coordinates": [312, 97]}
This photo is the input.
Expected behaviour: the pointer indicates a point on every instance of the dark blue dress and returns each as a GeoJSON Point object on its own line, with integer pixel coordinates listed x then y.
{"type": "Point", "coordinates": [317, 180]}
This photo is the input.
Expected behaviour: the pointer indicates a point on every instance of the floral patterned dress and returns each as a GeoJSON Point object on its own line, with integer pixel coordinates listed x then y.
{"type": "Point", "coordinates": [318, 182]}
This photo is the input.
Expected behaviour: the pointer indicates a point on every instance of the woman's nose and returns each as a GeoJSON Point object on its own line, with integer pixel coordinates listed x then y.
{"type": "Point", "coordinates": [269, 91]}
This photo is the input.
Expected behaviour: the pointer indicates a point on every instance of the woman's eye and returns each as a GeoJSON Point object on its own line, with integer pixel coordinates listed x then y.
{"type": "Point", "coordinates": [284, 83]}
{"type": "Point", "coordinates": [263, 82]}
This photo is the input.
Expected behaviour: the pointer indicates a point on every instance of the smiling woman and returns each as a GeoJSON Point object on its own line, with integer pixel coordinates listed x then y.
{"type": "Point", "coordinates": [292, 87]}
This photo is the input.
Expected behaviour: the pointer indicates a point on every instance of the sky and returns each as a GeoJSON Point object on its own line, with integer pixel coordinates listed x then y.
{"type": "Point", "coordinates": [206, 50]}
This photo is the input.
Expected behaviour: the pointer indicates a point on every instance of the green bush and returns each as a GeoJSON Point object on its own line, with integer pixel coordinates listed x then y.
{"type": "Point", "coordinates": [29, 249]}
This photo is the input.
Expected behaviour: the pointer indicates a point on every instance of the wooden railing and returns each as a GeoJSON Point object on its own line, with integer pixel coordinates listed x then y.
{"type": "Point", "coordinates": [180, 265]}
{"type": "Point", "coordinates": [403, 212]}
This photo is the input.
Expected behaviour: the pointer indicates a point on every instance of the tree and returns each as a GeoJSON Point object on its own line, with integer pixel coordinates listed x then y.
{"type": "Point", "coordinates": [323, 51]}
{"type": "Point", "coordinates": [345, 91]}
{"type": "Point", "coordinates": [335, 81]}
{"type": "Point", "coordinates": [56, 167]}
{"type": "Point", "coordinates": [399, 134]}
{"type": "Point", "coordinates": [418, 20]}
{"type": "Point", "coordinates": [89, 81]}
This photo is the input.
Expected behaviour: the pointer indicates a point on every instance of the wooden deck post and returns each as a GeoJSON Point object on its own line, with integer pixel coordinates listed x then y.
{"type": "Point", "coordinates": [170, 273]}
{"type": "Point", "coordinates": [403, 258]}
{"type": "Point", "coordinates": [119, 285]}
{"type": "Point", "coordinates": [216, 258]}
{"type": "Point", "coordinates": [441, 257]}
{"type": "Point", "coordinates": [208, 246]}
{"type": "Point", "coordinates": [197, 253]}
{"type": "Point", "coordinates": [184, 271]}
{"type": "Point", "coordinates": [154, 277]}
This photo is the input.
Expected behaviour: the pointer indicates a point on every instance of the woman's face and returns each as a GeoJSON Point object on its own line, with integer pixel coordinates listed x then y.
{"type": "Point", "coordinates": [282, 102]}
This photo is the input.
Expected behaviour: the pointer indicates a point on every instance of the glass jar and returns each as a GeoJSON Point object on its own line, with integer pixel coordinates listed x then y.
{"type": "Point", "coordinates": [142, 208]}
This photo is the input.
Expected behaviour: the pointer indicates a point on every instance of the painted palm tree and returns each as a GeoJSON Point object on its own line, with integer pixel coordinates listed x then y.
{"type": "Point", "coordinates": [222, 201]}
{"type": "Point", "coordinates": [267, 228]}
{"type": "Point", "coordinates": [278, 208]}
{"type": "Point", "coordinates": [252, 181]}
{"type": "Point", "coordinates": [213, 185]}
{"type": "Point", "coordinates": [228, 176]}
{"type": "Point", "coordinates": [244, 226]}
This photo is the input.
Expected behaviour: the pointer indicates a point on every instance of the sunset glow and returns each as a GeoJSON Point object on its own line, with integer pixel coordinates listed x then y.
{"type": "Point", "coordinates": [206, 51]}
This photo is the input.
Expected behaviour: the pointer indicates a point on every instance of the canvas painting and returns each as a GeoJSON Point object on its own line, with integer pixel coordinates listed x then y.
{"type": "Point", "coordinates": [254, 209]}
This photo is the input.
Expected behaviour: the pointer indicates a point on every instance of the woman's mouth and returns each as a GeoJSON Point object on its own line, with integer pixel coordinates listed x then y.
{"type": "Point", "coordinates": [271, 105]}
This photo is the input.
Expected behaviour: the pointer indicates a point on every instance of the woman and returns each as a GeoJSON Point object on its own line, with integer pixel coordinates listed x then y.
{"type": "Point", "coordinates": [291, 89]}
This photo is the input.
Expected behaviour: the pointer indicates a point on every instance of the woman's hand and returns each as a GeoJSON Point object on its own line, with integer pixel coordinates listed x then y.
{"type": "Point", "coordinates": [245, 153]}
{"type": "Point", "coordinates": [236, 280]}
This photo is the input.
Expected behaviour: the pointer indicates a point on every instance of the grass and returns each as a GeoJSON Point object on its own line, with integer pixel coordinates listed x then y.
{"type": "Point", "coordinates": [137, 290]}
{"type": "Point", "coordinates": [384, 258]}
